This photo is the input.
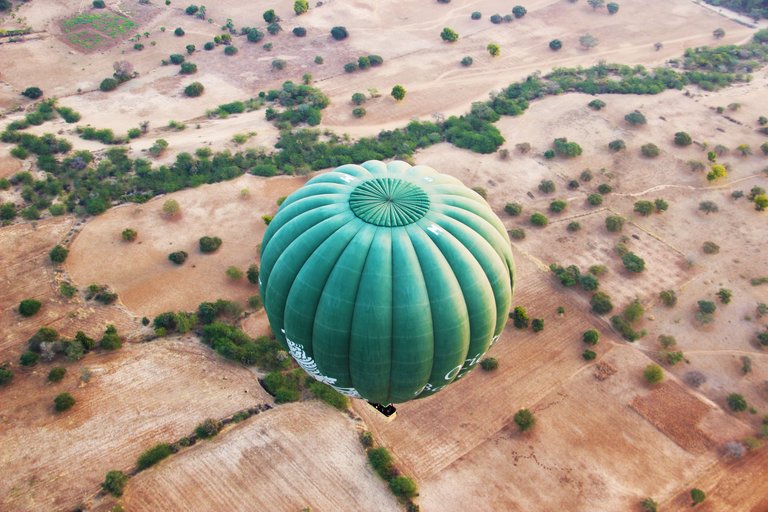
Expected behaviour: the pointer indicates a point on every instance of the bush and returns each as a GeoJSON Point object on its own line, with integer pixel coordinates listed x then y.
{"type": "Point", "coordinates": [539, 219]}
{"type": "Point", "coordinates": [188, 68]}
{"type": "Point", "coordinates": [29, 307]}
{"type": "Point", "coordinates": [209, 244]}
{"type": "Point", "coordinates": [110, 340]}
{"type": "Point", "coordinates": [596, 104]}
{"type": "Point", "coordinates": [114, 482]}
{"type": "Point", "coordinates": [519, 11]}
{"type": "Point", "coordinates": [595, 199]}
{"type": "Point", "coordinates": [614, 223]}
{"type": "Point", "coordinates": [56, 374]}
{"type": "Point", "coordinates": [648, 505]}
{"type": "Point", "coordinates": [63, 402]}
{"type": "Point", "coordinates": [683, 139]}
{"type": "Point", "coordinates": [58, 254]}
{"type": "Point", "coordinates": [567, 149]}
{"type": "Point", "coordinates": [653, 373]}
{"type": "Point", "coordinates": [350, 67]}
{"type": "Point", "coordinates": [234, 273]}
{"type": "Point", "coordinates": [519, 317]}
{"type": "Point", "coordinates": [381, 461]}
{"type": "Point", "coordinates": [537, 324]}
{"type": "Point", "coordinates": [517, 234]}
{"type": "Point", "coordinates": [650, 150]}
{"type": "Point", "coordinates": [635, 118]}
{"type": "Point", "coordinates": [557, 206]}
{"type": "Point", "coordinates": [591, 337]}
{"type": "Point", "coordinates": [230, 50]}
{"type": "Point", "coordinates": [99, 4]}
{"type": "Point", "coordinates": [601, 303]}
{"type": "Point", "coordinates": [108, 84]}
{"type": "Point", "coordinates": [546, 186]}
{"type": "Point", "coordinates": [194, 89]}
{"type": "Point", "coordinates": [32, 92]}
{"type": "Point", "coordinates": [513, 209]}
{"type": "Point", "coordinates": [555, 45]}
{"type": "Point", "coordinates": [697, 495]}
{"type": "Point", "coordinates": [179, 32]}
{"type": "Point", "coordinates": [339, 33]}
{"type": "Point", "coordinates": [153, 455]}
{"type": "Point", "coordinates": [6, 376]}
{"type": "Point", "coordinates": [176, 58]}
{"type": "Point", "coordinates": [617, 145]}
{"type": "Point", "coordinates": [710, 248]}
{"type": "Point", "coordinates": [403, 487]}
{"type": "Point", "coordinates": [210, 45]}
{"type": "Point", "coordinates": [178, 257]}
{"type": "Point", "coordinates": [467, 61]}
{"type": "Point", "coordinates": [633, 263]}
{"type": "Point", "coordinates": [644, 208]}
{"type": "Point", "coordinates": [328, 395]}
{"type": "Point", "coordinates": [359, 112]}
{"type": "Point", "coordinates": [208, 428]}
{"type": "Point", "coordinates": [668, 298]}
{"type": "Point", "coordinates": [489, 364]}
{"type": "Point", "coordinates": [588, 355]}
{"type": "Point", "coordinates": [524, 420]}
{"type": "Point", "coordinates": [28, 358]}
{"type": "Point", "coordinates": [736, 402]}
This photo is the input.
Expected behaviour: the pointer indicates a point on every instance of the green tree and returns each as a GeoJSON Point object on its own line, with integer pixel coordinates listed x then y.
{"type": "Point", "coordinates": [537, 324]}
{"type": "Point", "coordinates": [546, 186]}
{"type": "Point", "coordinates": [194, 90]}
{"type": "Point", "coordinates": [653, 373]}
{"type": "Point", "coordinates": [153, 455]}
{"type": "Point", "coordinates": [524, 420]}
{"type": "Point", "coordinates": [339, 33]}
{"type": "Point", "coordinates": [300, 7]}
{"type": "Point", "coordinates": [58, 254]}
{"type": "Point", "coordinates": [171, 208]}
{"type": "Point", "coordinates": [129, 234]}
{"type": "Point", "coordinates": [234, 273]}
{"type": "Point", "coordinates": [519, 317]}
{"type": "Point", "coordinates": [449, 35]}
{"type": "Point", "coordinates": [468, 61]}
{"type": "Point", "coordinates": [555, 45]}
{"type": "Point", "coordinates": [736, 402]}
{"type": "Point", "coordinates": [591, 337]}
{"type": "Point", "coordinates": [644, 208]}
{"type": "Point", "coordinates": [489, 364]}
{"type": "Point", "coordinates": [683, 139]}
{"type": "Point", "coordinates": [558, 205]}
{"type": "Point", "coordinates": [403, 487]}
{"type": "Point", "coordinates": [494, 49]}
{"type": "Point", "coordinates": [114, 482]}
{"type": "Point", "coordinates": [617, 145]}
{"type": "Point", "coordinates": [614, 223]}
{"type": "Point", "coordinates": [539, 219]}
{"type": "Point", "coordinates": [698, 496]}
{"type": "Point", "coordinates": [596, 4]}
{"type": "Point", "coordinates": [588, 41]}
{"type": "Point", "coordinates": [398, 92]}
{"type": "Point", "coordinates": [613, 7]}
{"type": "Point", "coordinates": [519, 11]}
{"type": "Point", "coordinates": [29, 307]}
{"type": "Point", "coordinates": [63, 402]}
{"type": "Point", "coordinates": [178, 257]}
{"type": "Point", "coordinates": [6, 376]}
{"type": "Point", "coordinates": [601, 303]}
{"type": "Point", "coordinates": [725, 295]}
{"type": "Point", "coordinates": [56, 374]}
{"type": "Point", "coordinates": [648, 505]}
{"type": "Point", "coordinates": [635, 118]}
{"type": "Point", "coordinates": [708, 207]}
{"type": "Point", "coordinates": [209, 244]}
{"type": "Point", "coordinates": [358, 98]}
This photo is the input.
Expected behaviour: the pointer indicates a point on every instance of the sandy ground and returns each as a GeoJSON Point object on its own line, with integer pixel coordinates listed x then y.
{"type": "Point", "coordinates": [136, 397]}
{"type": "Point", "coordinates": [295, 456]}
{"type": "Point", "coordinates": [146, 282]}
{"type": "Point", "coordinates": [597, 443]}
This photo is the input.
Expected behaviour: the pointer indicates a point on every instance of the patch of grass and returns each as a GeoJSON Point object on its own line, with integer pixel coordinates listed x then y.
{"type": "Point", "coordinates": [111, 25]}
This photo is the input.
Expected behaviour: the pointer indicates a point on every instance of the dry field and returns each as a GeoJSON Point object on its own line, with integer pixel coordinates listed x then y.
{"type": "Point", "coordinates": [295, 456]}
{"type": "Point", "coordinates": [136, 397]}
{"type": "Point", "coordinates": [604, 439]}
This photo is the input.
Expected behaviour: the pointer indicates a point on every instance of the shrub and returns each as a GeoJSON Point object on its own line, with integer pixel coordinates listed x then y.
{"type": "Point", "coordinates": [209, 244]}
{"type": "Point", "coordinates": [210, 45]}
{"type": "Point", "coordinates": [601, 303]}
{"type": "Point", "coordinates": [188, 68]}
{"type": "Point", "coordinates": [63, 402]}
{"type": "Point", "coordinates": [635, 118]}
{"type": "Point", "coordinates": [108, 84]}
{"type": "Point", "coordinates": [519, 317]}
{"type": "Point", "coordinates": [153, 455]}
{"type": "Point", "coordinates": [299, 31]}
{"type": "Point", "coordinates": [176, 58]}
{"type": "Point", "coordinates": [650, 150]}
{"type": "Point", "coordinates": [467, 61]}
{"type": "Point", "coordinates": [29, 358]}
{"type": "Point", "coordinates": [668, 298]}
{"type": "Point", "coordinates": [398, 92]}
{"type": "Point", "coordinates": [234, 273]}
{"type": "Point", "coordinates": [557, 206]}
{"type": "Point", "coordinates": [596, 104]}
{"type": "Point", "coordinates": [403, 487]}
{"type": "Point", "coordinates": [6, 376]}
{"type": "Point", "coordinates": [617, 145]}
{"type": "Point", "coordinates": [178, 257]}
{"type": "Point", "coordinates": [653, 374]}
{"type": "Point", "coordinates": [736, 402]}
{"type": "Point", "coordinates": [595, 199]}
{"type": "Point", "coordinates": [489, 364]}
{"type": "Point", "coordinates": [339, 33]}
{"type": "Point", "coordinates": [633, 263]}
{"type": "Point", "coordinates": [171, 208]}
{"type": "Point", "coordinates": [381, 461]}
{"type": "Point", "coordinates": [517, 233]}
{"type": "Point", "coordinates": [725, 295]}
{"type": "Point", "coordinates": [230, 50]}
{"type": "Point", "coordinates": [591, 337]}
{"type": "Point", "coordinates": [208, 428]}
{"type": "Point", "coordinates": [32, 92]}
{"type": "Point", "coordinates": [300, 7]}
{"type": "Point", "coordinates": [614, 223]}
{"type": "Point", "coordinates": [279, 64]}
{"type": "Point", "coordinates": [359, 112]}
{"type": "Point", "coordinates": [644, 208]}
{"type": "Point", "coordinates": [476, 15]}
{"type": "Point", "coordinates": [99, 4]}
{"type": "Point", "coordinates": [695, 378]}
{"type": "Point", "coordinates": [546, 186]}
{"type": "Point", "coordinates": [648, 505]}
{"type": "Point", "coordinates": [449, 35]}
{"type": "Point", "coordinates": [555, 45]}
{"type": "Point", "coordinates": [496, 19]}
{"type": "Point", "coordinates": [698, 496]}
{"type": "Point", "coordinates": [56, 374]}
{"type": "Point", "coordinates": [567, 149]}
{"type": "Point", "coordinates": [537, 324]}
{"type": "Point", "coordinates": [539, 219]}
{"type": "Point", "coordinates": [194, 89]}
{"type": "Point", "coordinates": [493, 49]}
{"type": "Point", "coordinates": [179, 32]}
{"type": "Point", "coordinates": [683, 139]}
{"type": "Point", "coordinates": [58, 254]}
{"type": "Point", "coordinates": [588, 355]}
{"type": "Point", "coordinates": [110, 340]}
{"type": "Point", "coordinates": [524, 420]}
{"type": "Point", "coordinates": [29, 307]}
{"type": "Point", "coordinates": [710, 247]}
{"type": "Point", "coordinates": [114, 482]}
{"type": "Point", "coordinates": [350, 67]}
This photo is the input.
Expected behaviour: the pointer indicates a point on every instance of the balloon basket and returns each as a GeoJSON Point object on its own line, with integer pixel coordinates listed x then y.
{"type": "Point", "coordinates": [389, 411]}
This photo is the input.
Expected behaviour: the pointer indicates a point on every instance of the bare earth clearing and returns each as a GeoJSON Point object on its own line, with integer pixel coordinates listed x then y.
{"type": "Point", "coordinates": [604, 439]}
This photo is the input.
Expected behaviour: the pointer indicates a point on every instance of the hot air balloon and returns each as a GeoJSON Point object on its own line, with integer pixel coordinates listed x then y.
{"type": "Point", "coordinates": [386, 281]}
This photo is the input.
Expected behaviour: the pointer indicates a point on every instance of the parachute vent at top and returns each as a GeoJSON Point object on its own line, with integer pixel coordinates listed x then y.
{"type": "Point", "coordinates": [386, 281]}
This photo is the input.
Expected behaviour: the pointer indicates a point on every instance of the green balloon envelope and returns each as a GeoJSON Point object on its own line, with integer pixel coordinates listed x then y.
{"type": "Point", "coordinates": [386, 281]}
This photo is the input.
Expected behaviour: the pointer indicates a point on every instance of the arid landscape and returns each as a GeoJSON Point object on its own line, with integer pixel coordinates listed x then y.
{"type": "Point", "coordinates": [138, 170]}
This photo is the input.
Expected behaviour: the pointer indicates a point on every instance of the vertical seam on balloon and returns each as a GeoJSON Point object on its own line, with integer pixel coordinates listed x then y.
{"type": "Point", "coordinates": [429, 303]}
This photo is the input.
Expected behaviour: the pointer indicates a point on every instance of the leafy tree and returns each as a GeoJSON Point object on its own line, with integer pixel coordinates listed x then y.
{"type": "Point", "coordinates": [744, 149]}
{"type": "Point", "coordinates": [350, 67]}
{"type": "Point", "coordinates": [489, 364]}
{"type": "Point", "coordinates": [252, 274]}
{"type": "Point", "coordinates": [188, 68]}
{"type": "Point", "coordinates": [591, 337]}
{"type": "Point", "coordinates": [588, 41]}
{"type": "Point", "coordinates": [683, 139]}
{"type": "Point", "coordinates": [29, 307]}
{"type": "Point", "coordinates": [719, 33]}
{"type": "Point", "coordinates": [698, 496]}
{"type": "Point", "coordinates": [6, 376]}
{"type": "Point", "coordinates": [601, 303]}
{"type": "Point", "coordinates": [191, 10]}
{"type": "Point", "coordinates": [359, 112]}
{"type": "Point", "coordinates": [546, 186]}
{"type": "Point", "coordinates": [98, 4]}
{"type": "Point", "coordinates": [513, 209]}
{"type": "Point", "coordinates": [596, 104]}
{"type": "Point", "coordinates": [519, 11]}
{"type": "Point", "coordinates": [567, 149]}
{"type": "Point", "coordinates": [63, 402]}
{"type": "Point", "coordinates": [653, 373]}
{"type": "Point", "coordinates": [56, 374]}
{"type": "Point", "coordinates": [573, 226]}
{"type": "Point", "coordinates": [494, 49]}
{"type": "Point", "coordinates": [108, 84]}
{"type": "Point", "coordinates": [555, 45]}
{"type": "Point", "coordinates": [29, 358]}
{"type": "Point", "coordinates": [176, 58]}
{"type": "Point", "coordinates": [208, 428]}
{"type": "Point", "coordinates": [153, 455]}
{"type": "Point", "coordinates": [110, 340]}
{"type": "Point", "coordinates": [279, 64]}
{"type": "Point", "coordinates": [613, 7]}
{"type": "Point", "coordinates": [725, 295]}
{"type": "Point", "coordinates": [476, 15]}
{"type": "Point", "coordinates": [58, 254]}
{"type": "Point", "coordinates": [635, 118]}
{"type": "Point", "coordinates": [736, 402]}
{"type": "Point", "coordinates": [398, 92]}
{"type": "Point", "coordinates": [537, 324]}
{"type": "Point", "coordinates": [716, 171]}
{"type": "Point", "coordinates": [708, 207]}
{"type": "Point", "coordinates": [32, 92]}
{"type": "Point", "coordinates": [171, 208]}
{"type": "Point", "coordinates": [178, 257]}
{"type": "Point", "coordinates": [614, 223]}
{"type": "Point", "coordinates": [644, 208]}
{"type": "Point", "coordinates": [467, 61]}
{"type": "Point", "coordinates": [234, 273]}
{"type": "Point", "coordinates": [617, 145]}
{"type": "Point", "coordinates": [539, 219]}
{"type": "Point", "coordinates": [557, 206]}
{"type": "Point", "coordinates": [707, 307]}
{"type": "Point", "coordinates": [339, 33]}
{"type": "Point", "coordinates": [209, 244]}
{"type": "Point", "coordinates": [300, 7]}
{"type": "Point", "coordinates": [129, 234]}
{"type": "Point", "coordinates": [588, 355]}
{"type": "Point", "coordinates": [179, 32]}
{"type": "Point", "coordinates": [403, 487]}
{"type": "Point", "coordinates": [660, 205]}
{"type": "Point", "coordinates": [228, 50]}
{"type": "Point", "coordinates": [496, 19]}
{"type": "Point", "coordinates": [650, 150]}
{"type": "Point", "coordinates": [524, 420]}
{"type": "Point", "coordinates": [519, 317]}
{"type": "Point", "coordinates": [449, 35]}
{"type": "Point", "coordinates": [115, 480]}
{"type": "Point", "coordinates": [648, 505]}
{"type": "Point", "coordinates": [668, 298]}
{"type": "Point", "coordinates": [596, 4]}
{"type": "Point", "coordinates": [194, 89]}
